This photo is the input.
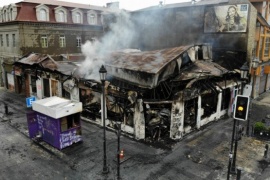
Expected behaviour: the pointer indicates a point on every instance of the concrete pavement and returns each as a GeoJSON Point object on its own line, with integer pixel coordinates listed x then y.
{"type": "Point", "coordinates": [201, 155]}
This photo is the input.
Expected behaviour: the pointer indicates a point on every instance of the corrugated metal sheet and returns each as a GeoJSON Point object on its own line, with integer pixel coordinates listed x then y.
{"type": "Point", "coordinates": [47, 63]}
{"type": "Point", "coordinates": [200, 69]}
{"type": "Point", "coordinates": [148, 61]}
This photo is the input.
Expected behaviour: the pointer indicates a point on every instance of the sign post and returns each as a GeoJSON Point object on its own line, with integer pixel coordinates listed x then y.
{"type": "Point", "coordinates": [30, 100]}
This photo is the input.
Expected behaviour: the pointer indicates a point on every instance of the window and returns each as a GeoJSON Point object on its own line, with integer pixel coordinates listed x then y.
{"type": "Point", "coordinates": [1, 40]}
{"type": "Point", "coordinates": [33, 85]}
{"type": "Point", "coordinates": [46, 87]}
{"type": "Point", "coordinates": [77, 16]}
{"type": "Point", "coordinates": [42, 13]}
{"type": "Point", "coordinates": [79, 41]}
{"type": "Point", "coordinates": [60, 14]}
{"type": "Point", "coordinates": [267, 46]}
{"type": "Point", "coordinates": [13, 40]}
{"type": "Point", "coordinates": [7, 39]}
{"type": "Point", "coordinates": [91, 17]}
{"type": "Point", "coordinates": [44, 41]}
{"type": "Point", "coordinates": [62, 41]}
{"type": "Point", "coordinates": [71, 121]}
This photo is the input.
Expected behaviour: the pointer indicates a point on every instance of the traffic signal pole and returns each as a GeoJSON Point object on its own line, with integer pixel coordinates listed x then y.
{"type": "Point", "coordinates": [240, 113]}
{"type": "Point", "coordinates": [233, 169]}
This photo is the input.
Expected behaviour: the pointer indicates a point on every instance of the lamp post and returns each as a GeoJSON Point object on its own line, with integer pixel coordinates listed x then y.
{"type": "Point", "coordinates": [102, 73]}
{"type": "Point", "coordinates": [118, 148]}
{"type": "Point", "coordinates": [243, 72]}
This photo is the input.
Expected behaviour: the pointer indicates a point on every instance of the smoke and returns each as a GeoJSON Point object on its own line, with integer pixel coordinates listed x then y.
{"type": "Point", "coordinates": [120, 36]}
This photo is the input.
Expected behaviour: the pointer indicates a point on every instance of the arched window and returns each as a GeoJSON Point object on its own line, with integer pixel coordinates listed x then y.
{"type": "Point", "coordinates": [77, 16]}
{"type": "Point", "coordinates": [60, 14]}
{"type": "Point", "coordinates": [91, 17]}
{"type": "Point", "coordinates": [10, 13]}
{"type": "Point", "coordinates": [42, 13]}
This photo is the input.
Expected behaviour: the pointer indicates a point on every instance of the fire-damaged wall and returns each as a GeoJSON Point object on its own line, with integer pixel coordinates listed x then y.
{"type": "Point", "coordinates": [196, 92]}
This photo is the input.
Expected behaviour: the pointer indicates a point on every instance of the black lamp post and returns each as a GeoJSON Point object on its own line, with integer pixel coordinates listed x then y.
{"type": "Point", "coordinates": [102, 72]}
{"type": "Point", "coordinates": [118, 123]}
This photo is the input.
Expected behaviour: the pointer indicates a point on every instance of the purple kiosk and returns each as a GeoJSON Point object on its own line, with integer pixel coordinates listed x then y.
{"type": "Point", "coordinates": [56, 121]}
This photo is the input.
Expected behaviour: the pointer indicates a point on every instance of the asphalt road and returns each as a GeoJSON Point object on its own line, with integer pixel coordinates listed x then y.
{"type": "Point", "coordinates": [201, 155]}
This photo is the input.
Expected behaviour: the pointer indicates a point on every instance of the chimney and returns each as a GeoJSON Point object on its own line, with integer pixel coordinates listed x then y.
{"type": "Point", "coordinates": [113, 5]}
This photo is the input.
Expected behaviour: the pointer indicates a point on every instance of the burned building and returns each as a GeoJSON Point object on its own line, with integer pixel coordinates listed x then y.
{"type": "Point", "coordinates": [163, 93]}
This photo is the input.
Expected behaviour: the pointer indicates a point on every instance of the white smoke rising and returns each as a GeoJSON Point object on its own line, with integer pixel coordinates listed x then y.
{"type": "Point", "coordinates": [120, 36]}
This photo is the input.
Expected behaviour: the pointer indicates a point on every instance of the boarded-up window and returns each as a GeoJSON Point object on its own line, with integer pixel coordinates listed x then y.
{"type": "Point", "coordinates": [54, 87]}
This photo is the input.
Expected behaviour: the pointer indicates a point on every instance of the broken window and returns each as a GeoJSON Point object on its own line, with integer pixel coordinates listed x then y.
{"type": "Point", "coordinates": [33, 85]}
{"type": "Point", "coordinates": [190, 113]}
{"type": "Point", "coordinates": [70, 121]}
{"type": "Point", "coordinates": [46, 87]}
{"type": "Point", "coordinates": [157, 120]}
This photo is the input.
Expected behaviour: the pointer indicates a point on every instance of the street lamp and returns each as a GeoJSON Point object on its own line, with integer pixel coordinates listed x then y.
{"type": "Point", "coordinates": [102, 73]}
{"type": "Point", "coordinates": [118, 123]}
{"type": "Point", "coordinates": [243, 72]}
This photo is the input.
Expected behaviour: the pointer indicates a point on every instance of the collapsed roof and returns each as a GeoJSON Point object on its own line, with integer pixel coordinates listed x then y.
{"type": "Point", "coordinates": [46, 63]}
{"type": "Point", "coordinates": [149, 68]}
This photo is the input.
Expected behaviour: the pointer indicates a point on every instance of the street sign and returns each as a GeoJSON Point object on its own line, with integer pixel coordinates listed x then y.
{"type": "Point", "coordinates": [30, 100]}
{"type": "Point", "coordinates": [241, 107]}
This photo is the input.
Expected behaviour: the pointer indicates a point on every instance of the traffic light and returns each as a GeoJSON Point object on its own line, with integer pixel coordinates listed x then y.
{"type": "Point", "coordinates": [241, 107]}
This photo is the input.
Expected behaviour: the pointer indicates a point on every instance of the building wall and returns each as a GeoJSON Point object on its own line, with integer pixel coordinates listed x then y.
{"type": "Point", "coordinates": [30, 37]}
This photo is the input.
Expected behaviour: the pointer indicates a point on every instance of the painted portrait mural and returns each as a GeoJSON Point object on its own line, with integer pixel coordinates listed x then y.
{"type": "Point", "coordinates": [229, 18]}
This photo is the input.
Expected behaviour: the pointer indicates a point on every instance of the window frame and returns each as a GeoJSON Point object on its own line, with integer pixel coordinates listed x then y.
{"type": "Point", "coordinates": [13, 40]}
{"type": "Point", "coordinates": [7, 40]}
{"type": "Point", "coordinates": [75, 18]}
{"type": "Point", "coordinates": [44, 41]}
{"type": "Point", "coordinates": [92, 17]}
{"type": "Point", "coordinates": [62, 41]}
{"type": "Point", "coordinates": [1, 40]}
{"type": "Point", "coordinates": [59, 18]}
{"type": "Point", "coordinates": [42, 8]}
{"type": "Point", "coordinates": [78, 41]}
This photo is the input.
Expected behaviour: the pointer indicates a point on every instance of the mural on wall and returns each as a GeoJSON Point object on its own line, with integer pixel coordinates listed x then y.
{"type": "Point", "coordinates": [229, 18]}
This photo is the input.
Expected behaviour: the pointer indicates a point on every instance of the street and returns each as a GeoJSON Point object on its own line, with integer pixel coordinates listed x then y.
{"type": "Point", "coordinates": [204, 154]}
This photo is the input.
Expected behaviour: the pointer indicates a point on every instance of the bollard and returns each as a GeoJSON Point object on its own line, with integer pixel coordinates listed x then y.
{"type": "Point", "coordinates": [265, 151]}
{"type": "Point", "coordinates": [238, 176]}
{"type": "Point", "coordinates": [6, 109]}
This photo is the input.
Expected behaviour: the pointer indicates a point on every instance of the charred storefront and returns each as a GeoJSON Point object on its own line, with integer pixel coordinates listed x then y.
{"type": "Point", "coordinates": [163, 93]}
